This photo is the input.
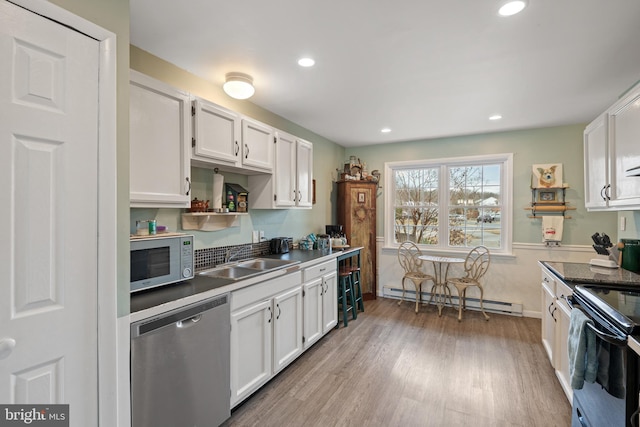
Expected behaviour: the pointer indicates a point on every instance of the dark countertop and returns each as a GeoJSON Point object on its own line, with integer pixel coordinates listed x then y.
{"type": "Point", "coordinates": [576, 273]}
{"type": "Point", "coordinates": [151, 298]}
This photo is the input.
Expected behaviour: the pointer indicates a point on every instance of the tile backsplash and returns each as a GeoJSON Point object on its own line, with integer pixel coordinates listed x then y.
{"type": "Point", "coordinates": [210, 257]}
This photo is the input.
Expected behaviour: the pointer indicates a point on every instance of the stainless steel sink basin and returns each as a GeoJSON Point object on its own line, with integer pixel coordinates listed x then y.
{"type": "Point", "coordinates": [245, 269]}
{"type": "Point", "coordinates": [233, 273]}
{"type": "Point", "coordinates": [265, 263]}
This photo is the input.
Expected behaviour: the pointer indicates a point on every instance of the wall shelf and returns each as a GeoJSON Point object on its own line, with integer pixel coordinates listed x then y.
{"type": "Point", "coordinates": [549, 201]}
{"type": "Point", "coordinates": [210, 221]}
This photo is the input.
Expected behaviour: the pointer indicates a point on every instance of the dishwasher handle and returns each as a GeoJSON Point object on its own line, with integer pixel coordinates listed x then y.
{"type": "Point", "coordinates": [182, 317]}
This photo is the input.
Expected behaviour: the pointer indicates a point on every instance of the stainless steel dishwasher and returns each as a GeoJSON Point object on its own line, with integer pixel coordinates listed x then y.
{"type": "Point", "coordinates": [180, 367]}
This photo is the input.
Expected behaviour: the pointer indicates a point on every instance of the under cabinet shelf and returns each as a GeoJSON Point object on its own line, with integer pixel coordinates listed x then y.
{"type": "Point", "coordinates": [210, 221]}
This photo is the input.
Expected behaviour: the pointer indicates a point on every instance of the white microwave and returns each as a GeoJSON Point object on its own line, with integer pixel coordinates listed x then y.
{"type": "Point", "coordinates": [161, 260]}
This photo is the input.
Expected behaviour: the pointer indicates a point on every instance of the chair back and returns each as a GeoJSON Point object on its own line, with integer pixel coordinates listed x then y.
{"type": "Point", "coordinates": [408, 254]}
{"type": "Point", "coordinates": [477, 262]}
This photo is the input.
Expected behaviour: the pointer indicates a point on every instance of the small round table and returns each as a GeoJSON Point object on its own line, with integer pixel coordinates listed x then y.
{"type": "Point", "coordinates": [441, 269]}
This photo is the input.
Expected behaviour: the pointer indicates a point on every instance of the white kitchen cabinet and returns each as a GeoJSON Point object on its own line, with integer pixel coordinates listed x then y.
{"type": "Point", "coordinates": [266, 332]}
{"type": "Point", "coordinates": [555, 327]}
{"type": "Point", "coordinates": [217, 136]}
{"type": "Point", "coordinates": [287, 328]}
{"type": "Point", "coordinates": [291, 184]}
{"type": "Point", "coordinates": [610, 150]}
{"type": "Point", "coordinates": [159, 141]}
{"type": "Point", "coordinates": [596, 164]}
{"type": "Point", "coordinates": [624, 150]}
{"type": "Point", "coordinates": [257, 145]}
{"type": "Point", "coordinates": [320, 301]}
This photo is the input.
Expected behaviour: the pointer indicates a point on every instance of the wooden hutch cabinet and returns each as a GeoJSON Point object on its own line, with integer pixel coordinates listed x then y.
{"type": "Point", "coordinates": [357, 213]}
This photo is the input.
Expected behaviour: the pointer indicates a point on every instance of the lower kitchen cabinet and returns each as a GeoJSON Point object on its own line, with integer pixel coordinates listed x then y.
{"type": "Point", "coordinates": [555, 327]}
{"type": "Point", "coordinates": [320, 301]}
{"type": "Point", "coordinates": [266, 332]}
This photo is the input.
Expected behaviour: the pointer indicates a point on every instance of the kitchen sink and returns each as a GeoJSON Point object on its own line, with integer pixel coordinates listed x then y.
{"type": "Point", "coordinates": [248, 268]}
{"type": "Point", "coordinates": [265, 263]}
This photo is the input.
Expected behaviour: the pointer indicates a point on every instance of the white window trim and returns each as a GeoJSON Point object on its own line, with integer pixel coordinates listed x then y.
{"type": "Point", "coordinates": [506, 188]}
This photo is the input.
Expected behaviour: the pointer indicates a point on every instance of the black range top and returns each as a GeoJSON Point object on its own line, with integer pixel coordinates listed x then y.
{"type": "Point", "coordinates": [620, 304]}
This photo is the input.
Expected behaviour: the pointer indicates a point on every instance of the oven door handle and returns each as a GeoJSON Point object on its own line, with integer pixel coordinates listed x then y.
{"type": "Point", "coordinates": [611, 339]}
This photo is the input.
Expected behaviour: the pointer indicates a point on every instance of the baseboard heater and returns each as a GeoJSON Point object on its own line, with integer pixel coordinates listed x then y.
{"type": "Point", "coordinates": [501, 307]}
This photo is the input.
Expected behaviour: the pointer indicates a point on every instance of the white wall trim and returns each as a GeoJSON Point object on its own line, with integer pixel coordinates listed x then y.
{"type": "Point", "coordinates": [113, 377]}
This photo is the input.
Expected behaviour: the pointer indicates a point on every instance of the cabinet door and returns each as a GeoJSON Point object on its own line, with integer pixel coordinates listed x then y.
{"type": "Point", "coordinates": [216, 134]}
{"type": "Point", "coordinates": [330, 302]}
{"type": "Point", "coordinates": [304, 161]}
{"type": "Point", "coordinates": [285, 173]}
{"type": "Point", "coordinates": [562, 355]}
{"type": "Point", "coordinates": [313, 310]}
{"type": "Point", "coordinates": [251, 338]}
{"type": "Point", "coordinates": [159, 141]}
{"type": "Point", "coordinates": [624, 133]}
{"type": "Point", "coordinates": [596, 171]}
{"type": "Point", "coordinates": [548, 322]}
{"type": "Point", "coordinates": [287, 328]}
{"type": "Point", "coordinates": [257, 145]}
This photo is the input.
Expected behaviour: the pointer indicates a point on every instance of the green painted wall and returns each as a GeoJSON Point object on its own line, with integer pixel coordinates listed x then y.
{"type": "Point", "coordinates": [561, 144]}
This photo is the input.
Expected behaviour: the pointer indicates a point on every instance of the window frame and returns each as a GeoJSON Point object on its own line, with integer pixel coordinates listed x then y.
{"type": "Point", "coordinates": [506, 189]}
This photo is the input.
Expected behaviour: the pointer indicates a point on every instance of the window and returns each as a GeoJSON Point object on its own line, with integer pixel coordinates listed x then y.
{"type": "Point", "coordinates": [450, 204]}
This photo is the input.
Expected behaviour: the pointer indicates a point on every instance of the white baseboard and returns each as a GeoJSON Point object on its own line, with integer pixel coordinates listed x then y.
{"type": "Point", "coordinates": [501, 307]}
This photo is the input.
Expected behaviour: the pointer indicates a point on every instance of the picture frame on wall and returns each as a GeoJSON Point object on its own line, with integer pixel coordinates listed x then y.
{"type": "Point", "coordinates": [547, 196]}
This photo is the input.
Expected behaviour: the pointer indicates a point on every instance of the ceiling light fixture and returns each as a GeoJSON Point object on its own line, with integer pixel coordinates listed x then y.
{"type": "Point", "coordinates": [238, 85]}
{"type": "Point", "coordinates": [306, 62]}
{"type": "Point", "coordinates": [512, 7]}
{"type": "Point", "coordinates": [495, 117]}
{"type": "Point", "coordinates": [385, 130]}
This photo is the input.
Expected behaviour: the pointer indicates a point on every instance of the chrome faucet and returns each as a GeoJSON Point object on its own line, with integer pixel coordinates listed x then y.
{"type": "Point", "coordinates": [232, 254]}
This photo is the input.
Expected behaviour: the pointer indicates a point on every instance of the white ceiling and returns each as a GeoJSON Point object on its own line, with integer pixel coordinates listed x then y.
{"type": "Point", "coordinates": [424, 68]}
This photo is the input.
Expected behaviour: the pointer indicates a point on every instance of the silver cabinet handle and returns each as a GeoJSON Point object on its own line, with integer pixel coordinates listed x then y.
{"type": "Point", "coordinates": [246, 155]}
{"type": "Point", "coordinates": [189, 187]}
{"type": "Point", "coordinates": [270, 314]}
{"type": "Point", "coordinates": [6, 347]}
{"type": "Point", "coordinates": [279, 311]}
{"type": "Point", "coordinates": [237, 148]}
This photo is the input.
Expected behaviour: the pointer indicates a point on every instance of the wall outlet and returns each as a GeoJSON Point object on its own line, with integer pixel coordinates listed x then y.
{"type": "Point", "coordinates": [261, 236]}
{"type": "Point", "coordinates": [255, 236]}
{"type": "Point", "coordinates": [623, 223]}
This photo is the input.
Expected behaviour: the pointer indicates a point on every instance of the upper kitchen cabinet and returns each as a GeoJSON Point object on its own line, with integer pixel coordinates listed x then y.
{"type": "Point", "coordinates": [224, 139]}
{"type": "Point", "coordinates": [257, 145]}
{"type": "Point", "coordinates": [159, 139]}
{"type": "Point", "coordinates": [624, 150]}
{"type": "Point", "coordinates": [596, 170]}
{"type": "Point", "coordinates": [291, 185]}
{"type": "Point", "coordinates": [610, 150]}
{"type": "Point", "coordinates": [216, 135]}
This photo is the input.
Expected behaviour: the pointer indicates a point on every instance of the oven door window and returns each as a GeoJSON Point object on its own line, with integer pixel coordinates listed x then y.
{"type": "Point", "coordinates": [150, 263]}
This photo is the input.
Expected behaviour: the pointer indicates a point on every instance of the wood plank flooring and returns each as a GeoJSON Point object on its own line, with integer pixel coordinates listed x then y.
{"type": "Point", "coordinates": [393, 367]}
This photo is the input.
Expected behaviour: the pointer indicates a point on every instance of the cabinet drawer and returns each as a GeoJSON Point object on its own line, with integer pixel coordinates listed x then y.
{"type": "Point", "coordinates": [562, 289]}
{"type": "Point", "coordinates": [264, 290]}
{"type": "Point", "coordinates": [549, 280]}
{"type": "Point", "coordinates": [318, 270]}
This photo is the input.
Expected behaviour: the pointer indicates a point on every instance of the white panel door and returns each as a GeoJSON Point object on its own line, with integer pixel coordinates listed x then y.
{"type": "Point", "coordinates": [48, 214]}
{"type": "Point", "coordinates": [596, 173]}
{"type": "Point", "coordinates": [329, 301]}
{"type": "Point", "coordinates": [313, 292]}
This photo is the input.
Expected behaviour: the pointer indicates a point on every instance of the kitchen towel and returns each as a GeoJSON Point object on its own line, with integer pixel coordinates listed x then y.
{"type": "Point", "coordinates": [552, 228]}
{"type": "Point", "coordinates": [581, 346]}
{"type": "Point", "coordinates": [218, 185]}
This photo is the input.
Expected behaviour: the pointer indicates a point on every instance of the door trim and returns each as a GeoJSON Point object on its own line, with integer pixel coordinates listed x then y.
{"type": "Point", "coordinates": [113, 340]}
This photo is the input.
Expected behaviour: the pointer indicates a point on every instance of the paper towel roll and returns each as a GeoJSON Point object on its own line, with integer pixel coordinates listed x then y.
{"type": "Point", "coordinates": [218, 185]}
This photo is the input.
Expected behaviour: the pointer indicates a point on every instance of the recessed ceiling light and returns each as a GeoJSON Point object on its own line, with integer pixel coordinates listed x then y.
{"type": "Point", "coordinates": [512, 7]}
{"type": "Point", "coordinates": [306, 62]}
{"type": "Point", "coordinates": [495, 117]}
{"type": "Point", "coordinates": [385, 130]}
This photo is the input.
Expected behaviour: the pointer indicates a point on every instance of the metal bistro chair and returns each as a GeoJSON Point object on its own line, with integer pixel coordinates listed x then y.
{"type": "Point", "coordinates": [408, 254]}
{"type": "Point", "coordinates": [475, 266]}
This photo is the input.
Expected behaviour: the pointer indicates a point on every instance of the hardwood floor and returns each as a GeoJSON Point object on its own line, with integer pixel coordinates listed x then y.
{"type": "Point", "coordinates": [392, 367]}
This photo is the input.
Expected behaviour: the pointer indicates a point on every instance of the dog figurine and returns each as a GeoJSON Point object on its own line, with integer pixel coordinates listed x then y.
{"type": "Point", "coordinates": [547, 177]}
